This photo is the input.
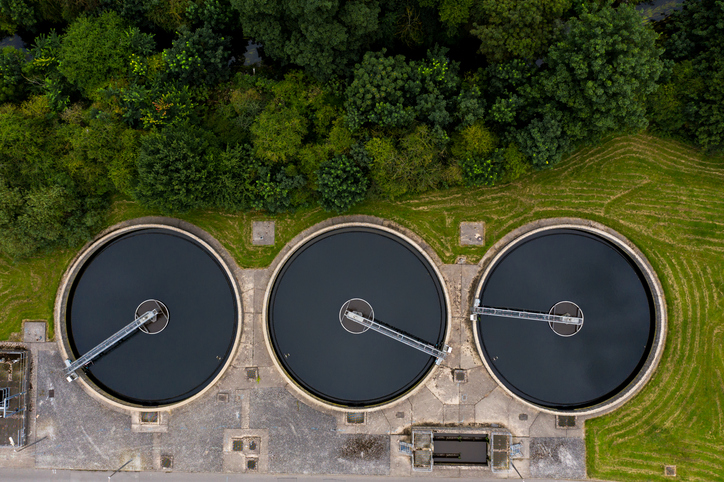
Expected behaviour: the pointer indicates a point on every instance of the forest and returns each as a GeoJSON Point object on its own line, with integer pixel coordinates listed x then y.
{"type": "Point", "coordinates": [166, 102]}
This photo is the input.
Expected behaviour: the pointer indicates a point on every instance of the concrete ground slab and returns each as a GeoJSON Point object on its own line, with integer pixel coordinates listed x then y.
{"type": "Point", "coordinates": [544, 425]}
{"type": "Point", "coordinates": [444, 387]}
{"type": "Point", "coordinates": [478, 386]}
{"type": "Point", "coordinates": [472, 233]}
{"type": "Point", "coordinates": [34, 331]}
{"type": "Point", "coordinates": [400, 464]}
{"type": "Point", "coordinates": [451, 414]}
{"type": "Point", "coordinates": [294, 428]}
{"type": "Point", "coordinates": [452, 273]}
{"type": "Point", "coordinates": [493, 408]}
{"type": "Point", "coordinates": [80, 431]}
{"type": "Point", "coordinates": [427, 409]}
{"type": "Point", "coordinates": [558, 457]}
{"type": "Point", "coordinates": [399, 416]}
{"type": "Point", "coordinates": [262, 233]}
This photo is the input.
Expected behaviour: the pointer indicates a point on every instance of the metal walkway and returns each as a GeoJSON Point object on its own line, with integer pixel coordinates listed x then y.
{"type": "Point", "coordinates": [392, 333]}
{"type": "Point", "coordinates": [526, 315]}
{"type": "Point", "coordinates": [115, 338]}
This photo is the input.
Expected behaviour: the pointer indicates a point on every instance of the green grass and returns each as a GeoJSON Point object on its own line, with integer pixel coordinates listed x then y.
{"type": "Point", "coordinates": [662, 195]}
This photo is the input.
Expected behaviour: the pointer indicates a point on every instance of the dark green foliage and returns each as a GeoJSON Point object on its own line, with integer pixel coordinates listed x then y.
{"type": "Point", "coordinates": [544, 140]}
{"type": "Point", "coordinates": [173, 169]}
{"type": "Point", "coordinates": [690, 104]}
{"type": "Point", "coordinates": [452, 12]}
{"type": "Point", "coordinates": [132, 11]}
{"type": "Point", "coordinates": [481, 171]}
{"type": "Point", "coordinates": [601, 72]}
{"type": "Point", "coordinates": [13, 86]}
{"type": "Point", "coordinates": [198, 58]}
{"type": "Point", "coordinates": [382, 92]}
{"type": "Point", "coordinates": [414, 164]}
{"type": "Point", "coordinates": [392, 92]}
{"type": "Point", "coordinates": [470, 105]}
{"type": "Point", "coordinates": [234, 176]}
{"type": "Point", "coordinates": [518, 28]}
{"type": "Point", "coordinates": [152, 106]}
{"type": "Point", "coordinates": [276, 191]}
{"type": "Point", "coordinates": [95, 50]}
{"type": "Point", "coordinates": [341, 184]}
{"type": "Point", "coordinates": [439, 86]}
{"type": "Point", "coordinates": [43, 71]}
{"type": "Point", "coordinates": [16, 13]}
{"type": "Point", "coordinates": [44, 200]}
{"type": "Point", "coordinates": [217, 14]}
{"type": "Point", "coordinates": [323, 36]}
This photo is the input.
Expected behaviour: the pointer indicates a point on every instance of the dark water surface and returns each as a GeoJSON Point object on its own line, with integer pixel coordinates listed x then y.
{"type": "Point", "coordinates": [611, 347]}
{"type": "Point", "coordinates": [181, 360]}
{"type": "Point", "coordinates": [308, 338]}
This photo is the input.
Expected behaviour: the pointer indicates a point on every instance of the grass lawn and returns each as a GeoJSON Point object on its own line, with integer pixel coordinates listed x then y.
{"type": "Point", "coordinates": [665, 197]}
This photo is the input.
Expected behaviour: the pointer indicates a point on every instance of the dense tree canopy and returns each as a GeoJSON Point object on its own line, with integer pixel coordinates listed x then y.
{"type": "Point", "coordinates": [323, 36]}
{"type": "Point", "coordinates": [691, 103]}
{"type": "Point", "coordinates": [94, 50]}
{"type": "Point", "coordinates": [519, 28]}
{"type": "Point", "coordinates": [151, 99]}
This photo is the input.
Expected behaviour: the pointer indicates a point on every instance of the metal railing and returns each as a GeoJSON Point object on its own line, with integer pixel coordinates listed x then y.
{"type": "Point", "coordinates": [401, 337]}
{"type": "Point", "coordinates": [106, 344]}
{"type": "Point", "coordinates": [525, 315]}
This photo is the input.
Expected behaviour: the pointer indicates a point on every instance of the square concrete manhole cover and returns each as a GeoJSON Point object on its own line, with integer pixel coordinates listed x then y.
{"type": "Point", "coordinates": [252, 373]}
{"type": "Point", "coordinates": [670, 470]}
{"type": "Point", "coordinates": [262, 233]}
{"type": "Point", "coordinates": [472, 234]}
{"type": "Point", "coordinates": [460, 376]}
{"type": "Point", "coordinates": [222, 397]}
{"type": "Point", "coordinates": [34, 331]}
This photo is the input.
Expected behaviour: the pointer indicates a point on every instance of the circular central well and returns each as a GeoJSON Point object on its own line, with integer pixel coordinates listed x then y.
{"type": "Point", "coordinates": [363, 266]}
{"type": "Point", "coordinates": [569, 309]}
{"type": "Point", "coordinates": [164, 269]}
{"type": "Point", "coordinates": [160, 321]}
{"type": "Point", "coordinates": [361, 307]}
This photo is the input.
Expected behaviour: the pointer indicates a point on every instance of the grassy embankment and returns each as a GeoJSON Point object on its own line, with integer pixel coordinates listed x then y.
{"type": "Point", "coordinates": [665, 197]}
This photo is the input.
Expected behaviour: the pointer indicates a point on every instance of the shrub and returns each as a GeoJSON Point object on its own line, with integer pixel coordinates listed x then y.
{"type": "Point", "coordinates": [276, 191]}
{"type": "Point", "coordinates": [341, 184]}
{"type": "Point", "coordinates": [94, 50]}
{"type": "Point", "coordinates": [173, 170]}
{"type": "Point", "coordinates": [198, 58]}
{"type": "Point", "coordinates": [12, 84]}
{"type": "Point", "coordinates": [382, 92]}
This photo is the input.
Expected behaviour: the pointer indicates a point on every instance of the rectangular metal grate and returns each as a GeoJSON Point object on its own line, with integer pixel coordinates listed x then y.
{"type": "Point", "coordinates": [355, 417]}
{"type": "Point", "coordinates": [565, 421]}
{"type": "Point", "coordinates": [149, 417]}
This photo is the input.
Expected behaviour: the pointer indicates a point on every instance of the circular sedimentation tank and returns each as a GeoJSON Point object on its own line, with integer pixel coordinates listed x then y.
{"type": "Point", "coordinates": [187, 345]}
{"type": "Point", "coordinates": [375, 272]}
{"type": "Point", "coordinates": [571, 271]}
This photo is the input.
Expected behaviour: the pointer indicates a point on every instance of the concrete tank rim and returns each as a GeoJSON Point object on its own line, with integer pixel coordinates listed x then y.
{"type": "Point", "coordinates": [318, 230]}
{"type": "Point", "coordinates": [654, 284]}
{"type": "Point", "coordinates": [198, 235]}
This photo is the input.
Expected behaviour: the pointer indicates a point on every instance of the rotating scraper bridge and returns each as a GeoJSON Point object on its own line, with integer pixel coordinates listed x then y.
{"type": "Point", "coordinates": [108, 343]}
{"type": "Point", "coordinates": [355, 316]}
